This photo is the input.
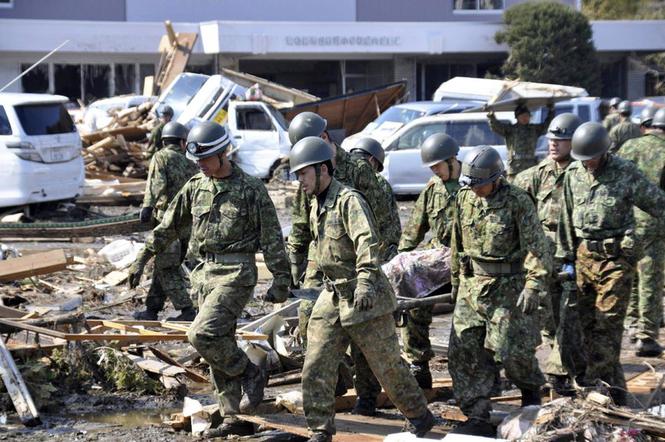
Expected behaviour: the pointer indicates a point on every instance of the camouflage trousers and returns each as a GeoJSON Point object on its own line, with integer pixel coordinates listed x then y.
{"type": "Point", "coordinates": [488, 332]}
{"type": "Point", "coordinates": [377, 340]}
{"type": "Point", "coordinates": [168, 280]}
{"type": "Point", "coordinates": [603, 289]}
{"type": "Point", "coordinates": [212, 334]}
{"type": "Point", "coordinates": [417, 350]}
{"type": "Point", "coordinates": [645, 308]}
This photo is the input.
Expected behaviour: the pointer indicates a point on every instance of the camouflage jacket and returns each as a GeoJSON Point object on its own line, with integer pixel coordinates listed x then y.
{"type": "Point", "coordinates": [501, 228]}
{"type": "Point", "coordinates": [232, 215]}
{"type": "Point", "coordinates": [611, 120]}
{"type": "Point", "coordinates": [350, 172]}
{"type": "Point", "coordinates": [600, 206]}
{"type": "Point", "coordinates": [155, 141]}
{"type": "Point", "coordinates": [521, 140]}
{"type": "Point", "coordinates": [544, 182]}
{"type": "Point", "coordinates": [433, 211]}
{"type": "Point", "coordinates": [393, 229]}
{"type": "Point", "coordinates": [169, 171]}
{"type": "Point", "coordinates": [621, 133]}
{"type": "Point", "coordinates": [648, 154]}
{"type": "Point", "coordinates": [348, 255]}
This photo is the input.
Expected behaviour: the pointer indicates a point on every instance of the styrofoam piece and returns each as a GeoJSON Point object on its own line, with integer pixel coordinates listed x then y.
{"type": "Point", "coordinates": [121, 253]}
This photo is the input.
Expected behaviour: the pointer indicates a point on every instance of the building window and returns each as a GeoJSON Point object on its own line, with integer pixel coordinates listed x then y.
{"type": "Point", "coordinates": [96, 82]}
{"type": "Point", "coordinates": [125, 78]}
{"type": "Point", "coordinates": [67, 79]}
{"type": "Point", "coordinates": [6, 3]}
{"type": "Point", "coordinates": [36, 81]}
{"type": "Point", "coordinates": [478, 5]}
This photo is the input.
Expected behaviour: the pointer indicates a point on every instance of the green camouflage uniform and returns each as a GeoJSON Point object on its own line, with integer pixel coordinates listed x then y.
{"type": "Point", "coordinates": [623, 132]}
{"type": "Point", "coordinates": [169, 171]}
{"type": "Point", "coordinates": [520, 141]}
{"type": "Point", "coordinates": [611, 120]}
{"type": "Point", "coordinates": [347, 253]}
{"type": "Point", "coordinates": [490, 239]}
{"type": "Point", "coordinates": [393, 229]}
{"type": "Point", "coordinates": [559, 317]}
{"type": "Point", "coordinates": [230, 220]}
{"type": "Point", "coordinates": [155, 140]}
{"type": "Point", "coordinates": [645, 309]}
{"type": "Point", "coordinates": [596, 232]}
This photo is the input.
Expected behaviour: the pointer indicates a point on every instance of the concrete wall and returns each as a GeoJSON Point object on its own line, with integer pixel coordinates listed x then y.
{"type": "Point", "coordinates": [108, 10]}
{"type": "Point", "coordinates": [254, 10]}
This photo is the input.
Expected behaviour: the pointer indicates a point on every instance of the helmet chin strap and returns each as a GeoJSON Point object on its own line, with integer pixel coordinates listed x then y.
{"type": "Point", "coordinates": [317, 183]}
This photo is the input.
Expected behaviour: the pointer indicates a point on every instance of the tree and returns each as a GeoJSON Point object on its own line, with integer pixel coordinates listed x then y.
{"type": "Point", "coordinates": [550, 43]}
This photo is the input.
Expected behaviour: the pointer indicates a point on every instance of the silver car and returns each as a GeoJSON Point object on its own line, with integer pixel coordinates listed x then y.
{"type": "Point", "coordinates": [403, 168]}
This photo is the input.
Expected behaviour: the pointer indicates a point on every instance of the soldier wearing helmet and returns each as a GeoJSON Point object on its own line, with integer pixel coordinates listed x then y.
{"type": "Point", "coordinates": [357, 302]}
{"type": "Point", "coordinates": [495, 320]}
{"type": "Point", "coordinates": [645, 309]}
{"type": "Point", "coordinates": [169, 171]}
{"type": "Point", "coordinates": [165, 114]}
{"type": "Point", "coordinates": [596, 242]}
{"type": "Point", "coordinates": [625, 129]}
{"type": "Point", "coordinates": [559, 325]}
{"type": "Point", "coordinates": [612, 117]}
{"type": "Point", "coordinates": [231, 218]}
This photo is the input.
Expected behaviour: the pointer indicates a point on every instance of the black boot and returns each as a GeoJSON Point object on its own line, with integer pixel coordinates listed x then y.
{"type": "Point", "coordinates": [619, 396]}
{"type": "Point", "coordinates": [320, 436]}
{"type": "Point", "coordinates": [475, 427]}
{"type": "Point", "coordinates": [420, 371]}
{"type": "Point", "coordinates": [561, 384]}
{"type": "Point", "coordinates": [186, 314]}
{"type": "Point", "coordinates": [648, 348]}
{"type": "Point", "coordinates": [530, 397]}
{"type": "Point", "coordinates": [364, 406]}
{"type": "Point", "coordinates": [253, 381]}
{"type": "Point", "coordinates": [230, 426]}
{"type": "Point", "coordinates": [146, 315]}
{"type": "Point", "coordinates": [420, 426]}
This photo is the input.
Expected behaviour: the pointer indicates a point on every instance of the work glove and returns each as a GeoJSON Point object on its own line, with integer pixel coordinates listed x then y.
{"type": "Point", "coordinates": [275, 294]}
{"type": "Point", "coordinates": [298, 269]}
{"type": "Point", "coordinates": [136, 269]}
{"type": "Point", "coordinates": [363, 297]}
{"type": "Point", "coordinates": [567, 272]}
{"type": "Point", "coordinates": [528, 301]}
{"type": "Point", "coordinates": [453, 293]}
{"type": "Point", "coordinates": [146, 215]}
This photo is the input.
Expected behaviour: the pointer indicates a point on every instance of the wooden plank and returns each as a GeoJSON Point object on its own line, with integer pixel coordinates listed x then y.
{"type": "Point", "coordinates": [10, 313]}
{"type": "Point", "coordinates": [59, 230]}
{"type": "Point", "coordinates": [129, 328]}
{"type": "Point", "coordinates": [33, 328]}
{"type": "Point", "coordinates": [17, 389]}
{"type": "Point", "coordinates": [196, 377]}
{"type": "Point", "coordinates": [131, 133]}
{"type": "Point", "coordinates": [32, 265]}
{"type": "Point", "coordinates": [183, 326]}
{"type": "Point", "coordinates": [123, 338]}
{"type": "Point", "coordinates": [155, 366]}
{"type": "Point", "coordinates": [347, 401]}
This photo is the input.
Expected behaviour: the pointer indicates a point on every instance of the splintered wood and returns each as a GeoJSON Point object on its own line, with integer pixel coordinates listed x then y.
{"type": "Point", "coordinates": [33, 265]}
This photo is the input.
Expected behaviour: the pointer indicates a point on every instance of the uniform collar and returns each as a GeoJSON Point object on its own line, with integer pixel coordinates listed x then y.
{"type": "Point", "coordinates": [331, 197]}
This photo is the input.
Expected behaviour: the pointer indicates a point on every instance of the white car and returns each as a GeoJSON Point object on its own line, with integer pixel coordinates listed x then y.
{"type": "Point", "coordinates": [40, 150]}
{"type": "Point", "coordinates": [403, 167]}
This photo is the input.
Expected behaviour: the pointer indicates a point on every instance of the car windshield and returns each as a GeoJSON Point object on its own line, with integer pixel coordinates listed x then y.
{"type": "Point", "coordinates": [44, 119]}
{"type": "Point", "coordinates": [398, 115]}
{"type": "Point", "coordinates": [466, 133]}
{"type": "Point", "coordinates": [278, 117]}
{"type": "Point", "coordinates": [183, 91]}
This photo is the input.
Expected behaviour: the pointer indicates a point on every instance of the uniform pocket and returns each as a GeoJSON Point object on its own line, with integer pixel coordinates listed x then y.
{"type": "Point", "coordinates": [499, 239]}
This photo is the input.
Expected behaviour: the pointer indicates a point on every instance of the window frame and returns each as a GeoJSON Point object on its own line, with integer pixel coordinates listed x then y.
{"type": "Point", "coordinates": [478, 10]}
{"type": "Point", "coordinates": [7, 5]}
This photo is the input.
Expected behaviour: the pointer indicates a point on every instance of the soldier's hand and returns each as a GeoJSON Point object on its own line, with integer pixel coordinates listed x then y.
{"type": "Point", "coordinates": [136, 269]}
{"type": "Point", "coordinates": [363, 299]}
{"type": "Point", "coordinates": [298, 269]}
{"type": "Point", "coordinates": [528, 301]}
{"type": "Point", "coordinates": [146, 215]}
{"type": "Point", "coordinates": [276, 293]}
{"type": "Point", "coordinates": [453, 293]}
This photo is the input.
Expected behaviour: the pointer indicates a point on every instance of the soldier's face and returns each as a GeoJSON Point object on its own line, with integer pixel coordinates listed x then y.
{"type": "Point", "coordinates": [441, 170]}
{"type": "Point", "coordinates": [484, 190]}
{"type": "Point", "coordinates": [209, 166]}
{"type": "Point", "coordinates": [307, 179]}
{"type": "Point", "coordinates": [559, 150]}
{"type": "Point", "coordinates": [524, 118]}
{"type": "Point", "coordinates": [593, 164]}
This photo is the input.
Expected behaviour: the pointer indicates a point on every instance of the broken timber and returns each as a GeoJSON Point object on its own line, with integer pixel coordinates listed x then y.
{"type": "Point", "coordinates": [33, 265]}
{"type": "Point", "coordinates": [17, 389]}
{"type": "Point", "coordinates": [114, 226]}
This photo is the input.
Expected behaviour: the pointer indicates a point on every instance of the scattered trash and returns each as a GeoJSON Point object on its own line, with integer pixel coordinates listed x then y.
{"type": "Point", "coordinates": [121, 253]}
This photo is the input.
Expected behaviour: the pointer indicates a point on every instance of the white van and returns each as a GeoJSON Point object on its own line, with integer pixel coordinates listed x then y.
{"type": "Point", "coordinates": [211, 102]}
{"type": "Point", "coordinates": [40, 150]}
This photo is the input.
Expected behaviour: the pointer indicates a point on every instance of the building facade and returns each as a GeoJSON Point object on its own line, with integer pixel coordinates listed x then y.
{"type": "Point", "coordinates": [322, 46]}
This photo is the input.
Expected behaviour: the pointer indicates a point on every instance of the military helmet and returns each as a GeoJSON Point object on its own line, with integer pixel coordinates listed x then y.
{"type": "Point", "coordinates": [614, 102]}
{"type": "Point", "coordinates": [166, 111]}
{"type": "Point", "coordinates": [590, 140]}
{"type": "Point", "coordinates": [306, 124]}
{"type": "Point", "coordinates": [207, 139]}
{"type": "Point", "coordinates": [659, 119]}
{"type": "Point", "coordinates": [438, 147]}
{"type": "Point", "coordinates": [373, 148]}
{"type": "Point", "coordinates": [173, 129]}
{"type": "Point", "coordinates": [481, 165]}
{"type": "Point", "coordinates": [625, 108]}
{"type": "Point", "coordinates": [646, 116]}
{"type": "Point", "coordinates": [563, 126]}
{"type": "Point", "coordinates": [307, 152]}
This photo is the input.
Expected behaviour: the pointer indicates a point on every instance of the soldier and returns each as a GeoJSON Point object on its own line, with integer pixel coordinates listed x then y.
{"type": "Point", "coordinates": [625, 129]}
{"type": "Point", "coordinates": [155, 141]}
{"type": "Point", "coordinates": [559, 321]}
{"type": "Point", "coordinates": [371, 151]}
{"type": "Point", "coordinates": [231, 217]}
{"type": "Point", "coordinates": [169, 171]}
{"type": "Point", "coordinates": [495, 318]}
{"type": "Point", "coordinates": [357, 302]}
{"type": "Point", "coordinates": [612, 117]}
{"type": "Point", "coordinates": [645, 309]}
{"type": "Point", "coordinates": [596, 242]}
{"type": "Point", "coordinates": [521, 137]}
